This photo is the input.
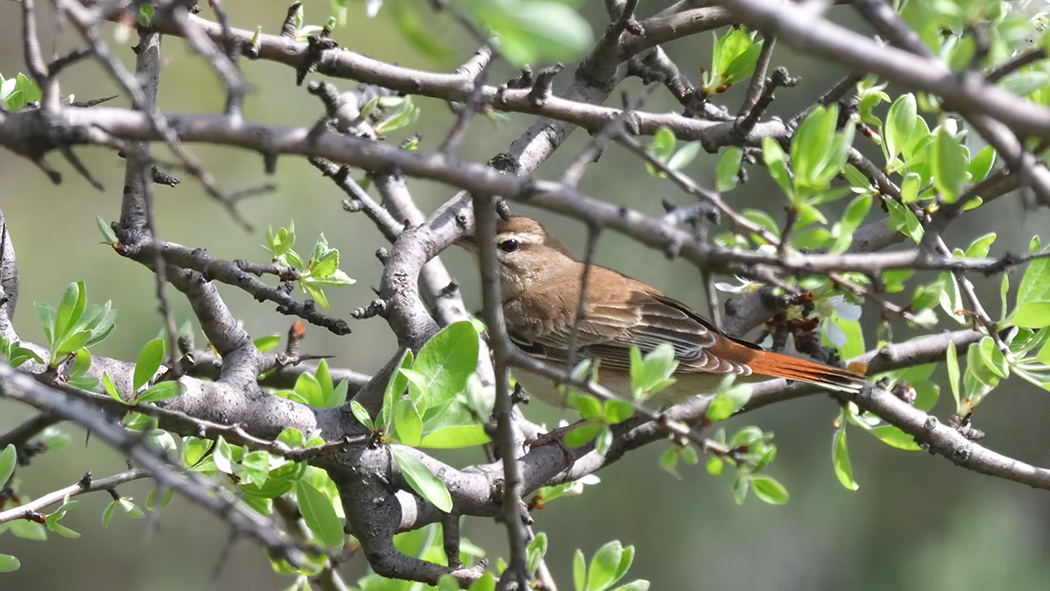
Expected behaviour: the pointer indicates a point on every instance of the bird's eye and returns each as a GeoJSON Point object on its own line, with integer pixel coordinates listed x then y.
{"type": "Point", "coordinates": [509, 245]}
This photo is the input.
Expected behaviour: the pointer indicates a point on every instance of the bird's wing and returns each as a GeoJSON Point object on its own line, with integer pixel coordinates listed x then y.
{"type": "Point", "coordinates": [644, 318]}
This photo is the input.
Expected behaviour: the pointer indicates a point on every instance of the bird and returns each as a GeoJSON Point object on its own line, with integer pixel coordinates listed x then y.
{"type": "Point", "coordinates": [540, 284]}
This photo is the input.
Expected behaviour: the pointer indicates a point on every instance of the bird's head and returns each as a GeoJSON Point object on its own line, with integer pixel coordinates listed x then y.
{"type": "Point", "coordinates": [528, 256]}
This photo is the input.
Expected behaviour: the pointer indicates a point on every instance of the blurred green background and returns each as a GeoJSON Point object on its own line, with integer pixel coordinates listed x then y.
{"type": "Point", "coordinates": [917, 521]}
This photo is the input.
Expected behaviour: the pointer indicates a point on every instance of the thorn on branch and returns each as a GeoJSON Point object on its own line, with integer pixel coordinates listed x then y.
{"type": "Point", "coordinates": [162, 178]}
{"type": "Point", "coordinates": [92, 102]}
{"type": "Point", "coordinates": [288, 26]}
{"type": "Point", "coordinates": [524, 80]}
{"type": "Point", "coordinates": [328, 94]}
{"type": "Point", "coordinates": [541, 89]}
{"type": "Point", "coordinates": [59, 63]}
{"type": "Point", "coordinates": [383, 255]}
{"type": "Point", "coordinates": [296, 334]}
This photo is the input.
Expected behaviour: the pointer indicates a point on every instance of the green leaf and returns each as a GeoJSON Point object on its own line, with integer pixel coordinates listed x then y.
{"type": "Point", "coordinates": [669, 459]}
{"type": "Point", "coordinates": [150, 358]}
{"type": "Point", "coordinates": [714, 465]}
{"type": "Point", "coordinates": [579, 571]}
{"type": "Point", "coordinates": [534, 31]}
{"type": "Point", "coordinates": [650, 374]}
{"type": "Point", "coordinates": [487, 582]}
{"type": "Point", "coordinates": [535, 552]}
{"type": "Point", "coordinates": [952, 363]}
{"type": "Point", "coordinates": [728, 400]}
{"type": "Point", "coordinates": [161, 391]}
{"type": "Point", "coordinates": [812, 144]}
{"type": "Point", "coordinates": [455, 437]}
{"type": "Point", "coordinates": [776, 162]}
{"type": "Point", "coordinates": [1033, 315]}
{"type": "Point", "coordinates": [1035, 285]}
{"type": "Point", "coordinates": [407, 423]}
{"type": "Point", "coordinates": [636, 585]}
{"type": "Point", "coordinates": [107, 232]}
{"type": "Point", "coordinates": [394, 388]}
{"type": "Point", "coordinates": [769, 489]}
{"type": "Point", "coordinates": [604, 565]}
{"type": "Point", "coordinates": [111, 389]}
{"type": "Point", "coordinates": [728, 168]}
{"type": "Point", "coordinates": [979, 248]}
{"type": "Point", "coordinates": [46, 315]}
{"type": "Point", "coordinates": [445, 362]}
{"type": "Point", "coordinates": [223, 456]}
{"type": "Point", "coordinates": [663, 144]}
{"type": "Point", "coordinates": [910, 187]}
{"type": "Point", "coordinates": [256, 466]}
{"type": "Point", "coordinates": [894, 437]}
{"type": "Point", "coordinates": [9, 563]}
{"type": "Point", "coordinates": [684, 156]}
{"type": "Point", "coordinates": [309, 389]}
{"type": "Point", "coordinates": [993, 358]}
{"type": "Point", "coordinates": [583, 434]}
{"type": "Point", "coordinates": [981, 164]}
{"type": "Point", "coordinates": [8, 460]}
{"type": "Point", "coordinates": [902, 218]}
{"type": "Point", "coordinates": [319, 514]}
{"type": "Point", "coordinates": [900, 123]}
{"type": "Point", "coordinates": [840, 458]}
{"type": "Point", "coordinates": [69, 311]}
{"type": "Point", "coordinates": [422, 480]}
{"type": "Point", "coordinates": [267, 343]}
{"type": "Point", "coordinates": [743, 65]}
{"type": "Point", "coordinates": [362, 415]}
{"type": "Point", "coordinates": [617, 411]}
{"type": "Point", "coordinates": [949, 165]}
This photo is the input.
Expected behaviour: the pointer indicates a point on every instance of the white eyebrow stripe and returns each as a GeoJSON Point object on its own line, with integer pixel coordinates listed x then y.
{"type": "Point", "coordinates": [518, 237]}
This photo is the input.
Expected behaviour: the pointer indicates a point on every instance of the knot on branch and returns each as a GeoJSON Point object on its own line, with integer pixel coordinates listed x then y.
{"type": "Point", "coordinates": [316, 46]}
{"type": "Point", "coordinates": [378, 307]}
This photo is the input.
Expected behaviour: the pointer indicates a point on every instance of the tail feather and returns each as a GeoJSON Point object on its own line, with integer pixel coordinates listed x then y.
{"type": "Point", "coordinates": [778, 365]}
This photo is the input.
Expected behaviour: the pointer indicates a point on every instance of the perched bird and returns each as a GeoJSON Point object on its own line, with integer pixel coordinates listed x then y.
{"type": "Point", "coordinates": [540, 286]}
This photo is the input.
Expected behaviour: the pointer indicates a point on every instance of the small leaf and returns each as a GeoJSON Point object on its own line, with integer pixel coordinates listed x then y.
{"type": "Point", "coordinates": [8, 460]}
{"type": "Point", "coordinates": [728, 168]}
{"type": "Point", "coordinates": [161, 391]}
{"type": "Point", "coordinates": [900, 123]}
{"type": "Point", "coordinates": [684, 156]}
{"type": "Point", "coordinates": [9, 563]}
{"type": "Point", "coordinates": [840, 457]}
{"type": "Point", "coordinates": [769, 489]}
{"type": "Point", "coordinates": [1033, 315]}
{"type": "Point", "coordinates": [148, 363]}
{"type": "Point", "coordinates": [407, 423]}
{"type": "Point", "coordinates": [362, 415]}
{"type": "Point", "coordinates": [952, 363]}
{"type": "Point", "coordinates": [107, 383]}
{"type": "Point", "coordinates": [894, 437]}
{"type": "Point", "coordinates": [776, 161]}
{"type": "Point", "coordinates": [579, 571]}
{"type": "Point", "coordinates": [604, 565]}
{"type": "Point", "coordinates": [422, 480]}
{"type": "Point", "coordinates": [319, 514]}
{"type": "Point", "coordinates": [582, 434]}
{"type": "Point", "coordinates": [949, 165]}
{"type": "Point", "coordinates": [107, 232]}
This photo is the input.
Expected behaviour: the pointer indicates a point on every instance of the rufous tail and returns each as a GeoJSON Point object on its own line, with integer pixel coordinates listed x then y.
{"type": "Point", "coordinates": [778, 365]}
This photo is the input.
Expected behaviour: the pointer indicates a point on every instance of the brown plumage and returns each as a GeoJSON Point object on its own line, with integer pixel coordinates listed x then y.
{"type": "Point", "coordinates": [540, 284]}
